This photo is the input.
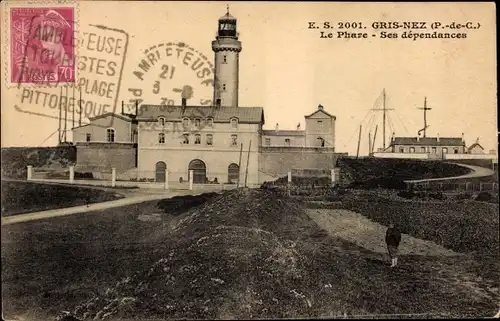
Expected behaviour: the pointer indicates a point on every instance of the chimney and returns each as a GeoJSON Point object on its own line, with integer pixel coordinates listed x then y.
{"type": "Point", "coordinates": [123, 108]}
{"type": "Point", "coordinates": [277, 126]}
{"type": "Point", "coordinates": [462, 136]}
{"type": "Point", "coordinates": [183, 102]}
{"type": "Point", "coordinates": [320, 107]}
{"type": "Point", "coordinates": [437, 137]}
{"type": "Point", "coordinates": [418, 138]}
{"type": "Point", "coordinates": [136, 107]}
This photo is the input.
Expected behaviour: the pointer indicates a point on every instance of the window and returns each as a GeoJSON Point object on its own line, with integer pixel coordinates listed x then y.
{"type": "Point", "coordinates": [197, 123]}
{"type": "Point", "coordinates": [401, 149]}
{"type": "Point", "coordinates": [412, 149]}
{"type": "Point", "coordinates": [445, 150]}
{"type": "Point", "coordinates": [161, 120]}
{"type": "Point", "coordinates": [455, 150]}
{"type": "Point", "coordinates": [89, 137]}
{"type": "Point", "coordinates": [210, 122]}
{"type": "Point", "coordinates": [320, 124]}
{"type": "Point", "coordinates": [234, 140]}
{"type": "Point", "coordinates": [161, 138]}
{"type": "Point", "coordinates": [268, 141]}
{"type": "Point", "coordinates": [185, 123]}
{"type": "Point", "coordinates": [225, 59]}
{"type": "Point", "coordinates": [233, 173]}
{"type": "Point", "coordinates": [209, 140]}
{"type": "Point", "coordinates": [287, 141]}
{"type": "Point", "coordinates": [197, 139]}
{"type": "Point", "coordinates": [224, 87]}
{"type": "Point", "coordinates": [186, 139]}
{"type": "Point", "coordinates": [434, 150]}
{"type": "Point", "coordinates": [422, 149]}
{"type": "Point", "coordinates": [110, 135]}
{"type": "Point", "coordinates": [234, 123]}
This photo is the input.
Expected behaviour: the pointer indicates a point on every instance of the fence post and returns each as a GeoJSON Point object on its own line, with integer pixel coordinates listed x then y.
{"type": "Point", "coordinates": [191, 179]}
{"type": "Point", "coordinates": [166, 179]}
{"type": "Point", "coordinates": [467, 186]}
{"type": "Point", "coordinates": [480, 186]}
{"type": "Point", "coordinates": [333, 176]}
{"type": "Point", "coordinates": [289, 183]}
{"type": "Point", "coordinates": [72, 174]}
{"type": "Point", "coordinates": [30, 173]}
{"type": "Point", "coordinates": [113, 177]}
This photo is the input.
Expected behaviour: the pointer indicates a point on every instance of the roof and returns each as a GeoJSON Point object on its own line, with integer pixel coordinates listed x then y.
{"type": "Point", "coordinates": [474, 146]}
{"type": "Point", "coordinates": [227, 16]}
{"type": "Point", "coordinates": [219, 114]}
{"type": "Point", "coordinates": [428, 141]}
{"type": "Point", "coordinates": [283, 132]}
{"type": "Point", "coordinates": [321, 111]}
{"type": "Point", "coordinates": [112, 115]}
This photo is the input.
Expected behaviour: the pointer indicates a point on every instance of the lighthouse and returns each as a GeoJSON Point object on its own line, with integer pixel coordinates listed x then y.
{"type": "Point", "coordinates": [227, 49]}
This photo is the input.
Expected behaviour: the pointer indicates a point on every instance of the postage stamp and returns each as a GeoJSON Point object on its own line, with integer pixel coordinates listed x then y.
{"type": "Point", "coordinates": [166, 74]}
{"type": "Point", "coordinates": [42, 49]}
{"type": "Point", "coordinates": [84, 83]}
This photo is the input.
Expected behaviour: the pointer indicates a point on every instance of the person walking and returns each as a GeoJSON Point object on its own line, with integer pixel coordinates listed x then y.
{"type": "Point", "coordinates": [392, 239]}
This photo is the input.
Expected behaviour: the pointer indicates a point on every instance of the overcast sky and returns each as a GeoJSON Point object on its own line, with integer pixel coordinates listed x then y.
{"type": "Point", "coordinates": [288, 70]}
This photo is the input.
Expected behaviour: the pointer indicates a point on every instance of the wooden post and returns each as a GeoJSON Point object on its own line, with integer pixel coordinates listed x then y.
{"type": "Point", "coordinates": [239, 166]}
{"type": "Point", "coordinates": [333, 176]}
{"type": "Point", "coordinates": [289, 183]}
{"type": "Point", "coordinates": [113, 177]}
{"type": "Point", "coordinates": [72, 174]}
{"type": "Point", "coordinates": [191, 179]}
{"type": "Point", "coordinates": [248, 161]}
{"type": "Point", "coordinates": [166, 179]}
{"type": "Point", "coordinates": [30, 173]}
{"type": "Point", "coordinates": [480, 186]}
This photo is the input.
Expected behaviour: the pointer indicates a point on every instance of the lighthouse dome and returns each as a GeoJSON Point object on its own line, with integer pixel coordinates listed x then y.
{"type": "Point", "coordinates": [227, 16]}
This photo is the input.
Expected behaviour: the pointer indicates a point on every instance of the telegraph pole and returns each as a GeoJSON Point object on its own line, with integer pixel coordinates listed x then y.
{"type": "Point", "coordinates": [425, 109]}
{"type": "Point", "coordinates": [384, 110]}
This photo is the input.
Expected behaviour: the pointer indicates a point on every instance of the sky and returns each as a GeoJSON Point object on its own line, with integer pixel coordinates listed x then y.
{"type": "Point", "coordinates": [289, 70]}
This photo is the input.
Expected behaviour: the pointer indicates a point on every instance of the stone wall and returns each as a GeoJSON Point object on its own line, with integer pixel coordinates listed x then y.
{"type": "Point", "coordinates": [277, 161]}
{"type": "Point", "coordinates": [92, 157]}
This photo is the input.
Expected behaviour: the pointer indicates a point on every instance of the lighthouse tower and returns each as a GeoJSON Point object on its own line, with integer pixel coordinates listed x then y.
{"type": "Point", "coordinates": [227, 49]}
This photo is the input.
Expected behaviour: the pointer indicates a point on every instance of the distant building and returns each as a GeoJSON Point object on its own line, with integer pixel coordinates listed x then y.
{"type": "Point", "coordinates": [435, 146]}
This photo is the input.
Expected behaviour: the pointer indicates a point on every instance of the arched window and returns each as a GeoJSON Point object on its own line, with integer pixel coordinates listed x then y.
{"type": "Point", "coordinates": [210, 122]}
{"type": "Point", "coordinates": [234, 123]}
{"type": "Point", "coordinates": [161, 120]}
{"type": "Point", "coordinates": [197, 139]}
{"type": "Point", "coordinates": [210, 140]}
{"type": "Point", "coordinates": [185, 122]}
{"type": "Point", "coordinates": [445, 150]}
{"type": "Point", "coordinates": [161, 138]}
{"type": "Point", "coordinates": [197, 122]}
{"type": "Point", "coordinates": [233, 173]}
{"type": "Point", "coordinates": [412, 149]}
{"type": "Point", "coordinates": [110, 135]}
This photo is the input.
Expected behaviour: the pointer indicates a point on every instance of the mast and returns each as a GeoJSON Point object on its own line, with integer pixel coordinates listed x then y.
{"type": "Point", "coordinates": [384, 109]}
{"type": "Point", "coordinates": [369, 144]}
{"type": "Point", "coordinates": [359, 140]}
{"type": "Point", "coordinates": [425, 109]}
{"type": "Point", "coordinates": [374, 137]}
{"type": "Point", "coordinates": [383, 129]}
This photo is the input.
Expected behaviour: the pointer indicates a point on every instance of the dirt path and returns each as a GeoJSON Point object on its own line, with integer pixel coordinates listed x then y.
{"type": "Point", "coordinates": [356, 228]}
{"type": "Point", "coordinates": [140, 198]}
{"type": "Point", "coordinates": [477, 171]}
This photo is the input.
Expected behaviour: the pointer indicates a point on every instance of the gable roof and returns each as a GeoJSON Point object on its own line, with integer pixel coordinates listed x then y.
{"type": "Point", "coordinates": [219, 114]}
{"type": "Point", "coordinates": [428, 141]}
{"type": "Point", "coordinates": [320, 111]}
{"type": "Point", "coordinates": [283, 132]}
{"type": "Point", "coordinates": [125, 118]}
{"type": "Point", "coordinates": [474, 146]}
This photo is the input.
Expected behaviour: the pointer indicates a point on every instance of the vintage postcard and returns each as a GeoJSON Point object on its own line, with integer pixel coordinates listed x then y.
{"type": "Point", "coordinates": [166, 160]}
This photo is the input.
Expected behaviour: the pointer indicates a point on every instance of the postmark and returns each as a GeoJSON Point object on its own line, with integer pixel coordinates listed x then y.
{"type": "Point", "coordinates": [166, 74]}
{"type": "Point", "coordinates": [42, 49]}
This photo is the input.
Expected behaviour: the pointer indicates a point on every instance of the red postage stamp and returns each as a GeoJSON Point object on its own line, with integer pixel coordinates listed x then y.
{"type": "Point", "coordinates": [42, 45]}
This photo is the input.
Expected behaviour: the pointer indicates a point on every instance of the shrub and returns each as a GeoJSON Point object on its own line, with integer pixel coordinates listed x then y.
{"type": "Point", "coordinates": [484, 197]}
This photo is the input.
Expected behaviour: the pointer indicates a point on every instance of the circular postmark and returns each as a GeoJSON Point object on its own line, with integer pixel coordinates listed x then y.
{"type": "Point", "coordinates": [167, 74]}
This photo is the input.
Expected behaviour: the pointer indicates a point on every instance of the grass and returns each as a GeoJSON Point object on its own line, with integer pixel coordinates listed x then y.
{"type": "Point", "coordinates": [244, 254]}
{"type": "Point", "coordinates": [463, 226]}
{"type": "Point", "coordinates": [24, 197]}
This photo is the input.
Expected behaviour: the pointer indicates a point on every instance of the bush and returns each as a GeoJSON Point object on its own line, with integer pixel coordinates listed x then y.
{"type": "Point", "coordinates": [407, 194]}
{"type": "Point", "coordinates": [484, 197]}
{"type": "Point", "coordinates": [385, 182]}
